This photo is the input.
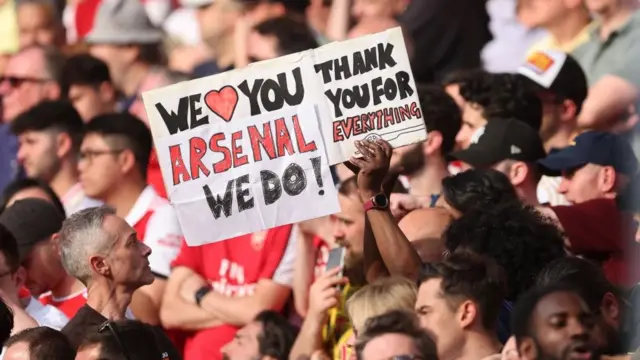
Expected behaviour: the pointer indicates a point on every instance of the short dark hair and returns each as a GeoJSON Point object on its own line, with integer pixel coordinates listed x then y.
{"type": "Point", "coordinates": [20, 184]}
{"type": "Point", "coordinates": [277, 336]}
{"type": "Point", "coordinates": [396, 322]}
{"type": "Point", "coordinates": [6, 321]}
{"type": "Point", "coordinates": [55, 115]}
{"type": "Point", "coordinates": [526, 305]}
{"type": "Point", "coordinates": [129, 131]}
{"type": "Point", "coordinates": [292, 33]}
{"type": "Point", "coordinates": [440, 113]}
{"type": "Point", "coordinates": [463, 76]}
{"type": "Point", "coordinates": [468, 276]}
{"type": "Point", "coordinates": [9, 248]}
{"type": "Point", "coordinates": [516, 236]}
{"type": "Point", "coordinates": [477, 188]}
{"type": "Point", "coordinates": [504, 96]}
{"type": "Point", "coordinates": [44, 343]}
{"type": "Point", "coordinates": [583, 275]}
{"type": "Point", "coordinates": [116, 338]}
{"type": "Point", "coordinates": [83, 69]}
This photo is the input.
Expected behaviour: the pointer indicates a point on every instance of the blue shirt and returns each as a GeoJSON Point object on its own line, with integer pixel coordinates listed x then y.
{"type": "Point", "coordinates": [9, 169]}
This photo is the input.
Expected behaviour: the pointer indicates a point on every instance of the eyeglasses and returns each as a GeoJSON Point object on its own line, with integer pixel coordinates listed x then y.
{"type": "Point", "coordinates": [17, 81]}
{"type": "Point", "coordinates": [89, 155]}
{"type": "Point", "coordinates": [108, 325]}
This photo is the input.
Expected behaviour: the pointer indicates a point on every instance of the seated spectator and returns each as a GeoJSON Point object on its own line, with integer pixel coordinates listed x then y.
{"type": "Point", "coordinates": [39, 24]}
{"type": "Point", "coordinates": [114, 159]}
{"type": "Point", "coordinates": [14, 280]}
{"type": "Point", "coordinates": [458, 305]}
{"type": "Point", "coordinates": [49, 135]}
{"type": "Point", "coordinates": [102, 251]}
{"type": "Point", "coordinates": [39, 343]}
{"type": "Point", "coordinates": [511, 147]}
{"type": "Point", "coordinates": [392, 335]}
{"type": "Point", "coordinates": [595, 170]}
{"type": "Point", "coordinates": [553, 323]}
{"type": "Point", "coordinates": [476, 189]}
{"type": "Point", "coordinates": [86, 82]}
{"type": "Point", "coordinates": [122, 339]}
{"type": "Point", "coordinates": [497, 96]}
{"type": "Point", "coordinates": [35, 224]}
{"type": "Point", "coordinates": [269, 335]}
{"type": "Point", "coordinates": [27, 188]}
{"type": "Point", "coordinates": [614, 315]}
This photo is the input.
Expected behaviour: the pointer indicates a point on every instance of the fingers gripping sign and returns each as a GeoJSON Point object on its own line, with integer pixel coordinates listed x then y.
{"type": "Point", "coordinates": [374, 165]}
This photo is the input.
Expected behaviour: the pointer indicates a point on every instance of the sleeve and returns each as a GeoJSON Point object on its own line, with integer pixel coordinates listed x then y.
{"type": "Point", "coordinates": [190, 257]}
{"type": "Point", "coordinates": [282, 250]}
{"type": "Point", "coordinates": [628, 68]}
{"type": "Point", "coordinates": [164, 236]}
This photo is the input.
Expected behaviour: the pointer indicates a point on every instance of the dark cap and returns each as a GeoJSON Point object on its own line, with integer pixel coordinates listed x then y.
{"type": "Point", "coordinates": [592, 147]}
{"type": "Point", "coordinates": [31, 221]}
{"type": "Point", "coordinates": [557, 72]}
{"type": "Point", "coordinates": [499, 140]}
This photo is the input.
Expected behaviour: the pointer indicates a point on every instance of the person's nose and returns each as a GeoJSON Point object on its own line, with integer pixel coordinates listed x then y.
{"type": "Point", "coordinates": [21, 156]}
{"type": "Point", "coordinates": [577, 329]}
{"type": "Point", "coordinates": [564, 186]}
{"type": "Point", "coordinates": [5, 87]}
{"type": "Point", "coordinates": [146, 251]}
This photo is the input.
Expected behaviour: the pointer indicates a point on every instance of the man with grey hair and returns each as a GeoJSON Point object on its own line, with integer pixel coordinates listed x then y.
{"type": "Point", "coordinates": [104, 253]}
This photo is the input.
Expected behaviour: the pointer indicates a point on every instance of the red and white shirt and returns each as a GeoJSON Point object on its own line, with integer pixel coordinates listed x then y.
{"type": "Point", "coordinates": [75, 200]}
{"type": "Point", "coordinates": [157, 226]}
{"type": "Point", "coordinates": [234, 267]}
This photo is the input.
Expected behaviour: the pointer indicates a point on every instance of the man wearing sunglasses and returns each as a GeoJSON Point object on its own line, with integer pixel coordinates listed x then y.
{"type": "Point", "coordinates": [30, 77]}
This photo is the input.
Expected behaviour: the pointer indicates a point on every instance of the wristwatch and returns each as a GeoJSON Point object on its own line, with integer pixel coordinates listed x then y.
{"type": "Point", "coordinates": [379, 201]}
{"type": "Point", "coordinates": [200, 293]}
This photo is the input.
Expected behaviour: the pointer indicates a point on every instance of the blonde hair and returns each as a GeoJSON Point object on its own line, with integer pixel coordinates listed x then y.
{"type": "Point", "coordinates": [381, 296]}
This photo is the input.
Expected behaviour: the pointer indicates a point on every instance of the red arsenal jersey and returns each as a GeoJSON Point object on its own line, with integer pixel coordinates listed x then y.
{"type": "Point", "coordinates": [69, 305]}
{"type": "Point", "coordinates": [234, 267]}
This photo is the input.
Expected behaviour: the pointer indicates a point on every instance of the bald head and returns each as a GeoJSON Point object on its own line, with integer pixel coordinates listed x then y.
{"type": "Point", "coordinates": [424, 229]}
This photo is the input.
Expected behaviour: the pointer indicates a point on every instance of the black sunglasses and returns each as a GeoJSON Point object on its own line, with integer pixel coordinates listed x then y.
{"type": "Point", "coordinates": [108, 325]}
{"type": "Point", "coordinates": [17, 81]}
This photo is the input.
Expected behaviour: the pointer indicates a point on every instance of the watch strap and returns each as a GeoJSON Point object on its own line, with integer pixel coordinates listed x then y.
{"type": "Point", "coordinates": [200, 293]}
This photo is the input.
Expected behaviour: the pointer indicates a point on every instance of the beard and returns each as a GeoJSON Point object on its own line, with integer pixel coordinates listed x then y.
{"type": "Point", "coordinates": [354, 268]}
{"type": "Point", "coordinates": [413, 160]}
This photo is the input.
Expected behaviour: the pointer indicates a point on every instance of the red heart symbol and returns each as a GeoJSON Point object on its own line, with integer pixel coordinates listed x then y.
{"type": "Point", "coordinates": [222, 102]}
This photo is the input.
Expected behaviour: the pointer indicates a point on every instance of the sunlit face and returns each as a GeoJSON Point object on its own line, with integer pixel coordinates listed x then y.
{"type": "Point", "coordinates": [25, 83]}
{"type": "Point", "coordinates": [439, 319]}
{"type": "Point", "coordinates": [245, 345]}
{"type": "Point", "coordinates": [99, 166]}
{"type": "Point", "coordinates": [38, 154]}
{"type": "Point", "coordinates": [582, 184]}
{"type": "Point", "coordinates": [541, 13]}
{"type": "Point", "coordinates": [29, 193]}
{"type": "Point", "coordinates": [349, 228]}
{"type": "Point", "coordinates": [562, 326]}
{"type": "Point", "coordinates": [377, 8]}
{"type": "Point", "coordinates": [128, 258]}
{"type": "Point", "coordinates": [89, 101]}
{"type": "Point", "coordinates": [472, 120]}
{"type": "Point", "coordinates": [388, 346]}
{"type": "Point", "coordinates": [36, 25]}
{"type": "Point", "coordinates": [44, 268]}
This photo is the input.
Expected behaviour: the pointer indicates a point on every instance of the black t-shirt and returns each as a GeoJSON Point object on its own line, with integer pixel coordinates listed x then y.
{"type": "Point", "coordinates": [88, 320]}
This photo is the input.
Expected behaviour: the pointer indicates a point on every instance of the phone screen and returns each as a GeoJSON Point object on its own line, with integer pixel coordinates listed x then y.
{"type": "Point", "coordinates": [336, 259]}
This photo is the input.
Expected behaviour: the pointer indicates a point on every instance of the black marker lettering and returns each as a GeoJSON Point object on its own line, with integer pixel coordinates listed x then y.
{"type": "Point", "coordinates": [175, 122]}
{"type": "Point", "coordinates": [241, 194]}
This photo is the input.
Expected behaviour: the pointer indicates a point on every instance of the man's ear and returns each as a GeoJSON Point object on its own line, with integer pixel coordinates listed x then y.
{"type": "Point", "coordinates": [467, 313]}
{"type": "Point", "coordinates": [20, 277]}
{"type": "Point", "coordinates": [127, 161]}
{"type": "Point", "coordinates": [610, 309]}
{"type": "Point", "coordinates": [518, 173]}
{"type": "Point", "coordinates": [527, 349]}
{"type": "Point", "coordinates": [100, 265]}
{"type": "Point", "coordinates": [569, 110]}
{"type": "Point", "coordinates": [433, 143]}
{"type": "Point", "coordinates": [64, 145]}
{"type": "Point", "coordinates": [607, 179]}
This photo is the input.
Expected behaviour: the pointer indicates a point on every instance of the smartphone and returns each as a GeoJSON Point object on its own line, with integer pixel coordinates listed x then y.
{"type": "Point", "coordinates": [336, 259]}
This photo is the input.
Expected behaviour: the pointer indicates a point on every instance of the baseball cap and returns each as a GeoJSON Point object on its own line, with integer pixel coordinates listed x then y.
{"type": "Point", "coordinates": [592, 147]}
{"type": "Point", "coordinates": [31, 221]}
{"type": "Point", "coordinates": [499, 140]}
{"type": "Point", "coordinates": [557, 72]}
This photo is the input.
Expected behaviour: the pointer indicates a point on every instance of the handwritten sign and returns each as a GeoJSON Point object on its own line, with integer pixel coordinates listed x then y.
{"type": "Point", "coordinates": [249, 175]}
{"type": "Point", "coordinates": [235, 147]}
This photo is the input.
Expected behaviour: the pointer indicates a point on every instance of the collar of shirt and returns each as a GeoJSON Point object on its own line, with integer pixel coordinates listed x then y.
{"type": "Point", "coordinates": [631, 23]}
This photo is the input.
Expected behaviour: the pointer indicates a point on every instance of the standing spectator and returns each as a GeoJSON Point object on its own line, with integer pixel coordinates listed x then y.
{"type": "Point", "coordinates": [114, 158]}
{"type": "Point", "coordinates": [35, 224]}
{"type": "Point", "coordinates": [539, 336]}
{"type": "Point", "coordinates": [217, 288]}
{"type": "Point", "coordinates": [49, 135]}
{"type": "Point", "coordinates": [511, 147]}
{"type": "Point", "coordinates": [39, 24]}
{"type": "Point", "coordinates": [31, 76]}
{"type": "Point", "coordinates": [458, 305]}
{"type": "Point", "coordinates": [14, 278]}
{"type": "Point", "coordinates": [102, 250]}
{"type": "Point", "coordinates": [39, 343]}
{"type": "Point", "coordinates": [567, 23]}
{"type": "Point", "coordinates": [268, 335]}
{"type": "Point", "coordinates": [394, 335]}
{"type": "Point", "coordinates": [609, 60]}
{"type": "Point", "coordinates": [87, 84]}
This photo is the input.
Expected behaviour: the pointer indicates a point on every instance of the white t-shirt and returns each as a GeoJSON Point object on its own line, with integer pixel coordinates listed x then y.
{"type": "Point", "coordinates": [46, 315]}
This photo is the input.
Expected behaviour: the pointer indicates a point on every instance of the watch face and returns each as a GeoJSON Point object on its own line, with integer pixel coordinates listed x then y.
{"type": "Point", "coordinates": [381, 200]}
